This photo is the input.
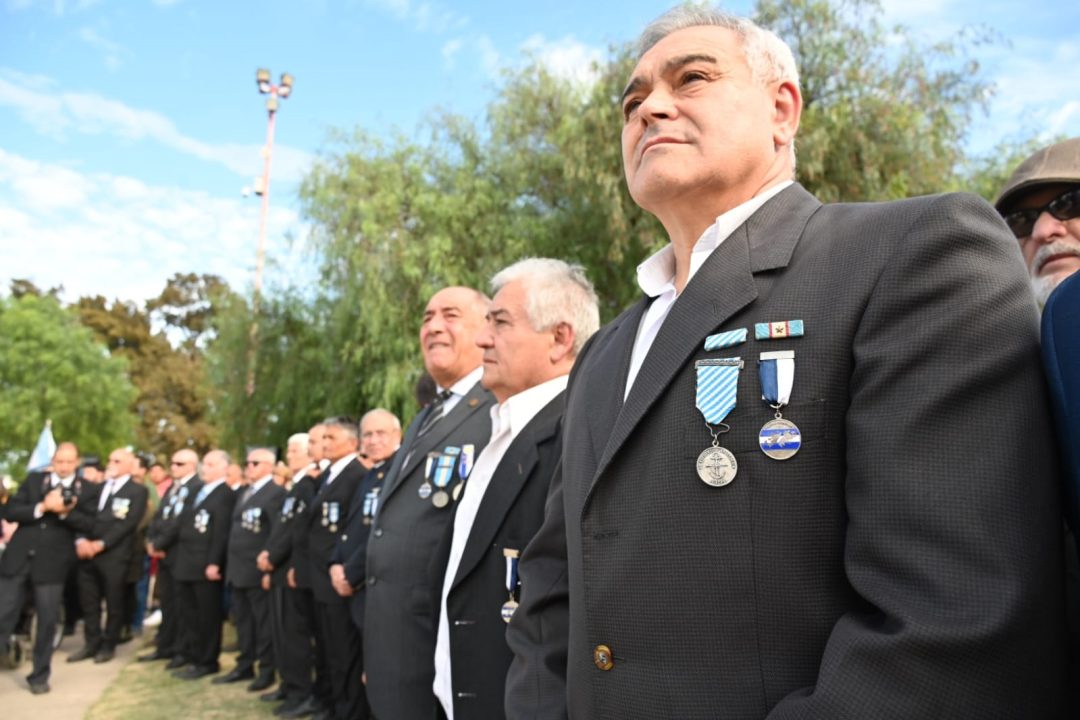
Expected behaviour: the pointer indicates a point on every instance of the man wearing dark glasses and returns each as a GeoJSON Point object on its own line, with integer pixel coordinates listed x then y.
{"type": "Point", "coordinates": [1041, 205]}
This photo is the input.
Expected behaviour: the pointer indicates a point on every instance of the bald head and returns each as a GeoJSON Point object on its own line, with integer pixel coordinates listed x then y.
{"type": "Point", "coordinates": [65, 460]}
{"type": "Point", "coordinates": [214, 465]}
{"type": "Point", "coordinates": [121, 462]}
{"type": "Point", "coordinates": [184, 463]}
{"type": "Point", "coordinates": [260, 463]}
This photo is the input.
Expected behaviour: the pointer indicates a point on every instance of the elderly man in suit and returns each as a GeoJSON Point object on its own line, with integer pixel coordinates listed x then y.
{"type": "Point", "coordinates": [201, 549]}
{"type": "Point", "coordinates": [163, 529]}
{"type": "Point", "coordinates": [415, 507]}
{"type": "Point", "coordinates": [108, 545]}
{"type": "Point", "coordinates": [254, 516]}
{"type": "Point", "coordinates": [770, 502]}
{"type": "Point", "coordinates": [50, 507]}
{"type": "Point", "coordinates": [541, 315]}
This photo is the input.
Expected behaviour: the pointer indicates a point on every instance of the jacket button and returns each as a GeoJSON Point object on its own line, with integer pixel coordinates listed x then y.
{"type": "Point", "coordinates": [371, 581]}
{"type": "Point", "coordinates": [344, 538]}
{"type": "Point", "coordinates": [601, 656]}
{"type": "Point", "coordinates": [378, 532]}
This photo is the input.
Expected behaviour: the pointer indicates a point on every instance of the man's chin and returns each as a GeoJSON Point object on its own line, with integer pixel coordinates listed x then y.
{"type": "Point", "coordinates": [1044, 285]}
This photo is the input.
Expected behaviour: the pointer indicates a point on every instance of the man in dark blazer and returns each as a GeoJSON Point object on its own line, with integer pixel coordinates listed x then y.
{"type": "Point", "coordinates": [50, 507]}
{"type": "Point", "coordinates": [201, 551]}
{"type": "Point", "coordinates": [326, 520]}
{"type": "Point", "coordinates": [541, 315]}
{"type": "Point", "coordinates": [823, 538]}
{"type": "Point", "coordinates": [380, 437]}
{"type": "Point", "coordinates": [253, 518]}
{"type": "Point", "coordinates": [415, 507]}
{"type": "Point", "coordinates": [292, 605]}
{"type": "Point", "coordinates": [109, 544]}
{"type": "Point", "coordinates": [162, 533]}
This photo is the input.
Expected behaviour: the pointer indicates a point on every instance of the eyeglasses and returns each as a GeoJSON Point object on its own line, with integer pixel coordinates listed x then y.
{"type": "Point", "coordinates": [256, 462]}
{"type": "Point", "coordinates": [178, 462]}
{"type": "Point", "coordinates": [1065, 206]}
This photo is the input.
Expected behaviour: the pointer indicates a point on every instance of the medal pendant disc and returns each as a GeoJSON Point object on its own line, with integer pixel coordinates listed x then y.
{"type": "Point", "coordinates": [425, 491]}
{"type": "Point", "coordinates": [717, 466]}
{"type": "Point", "coordinates": [779, 439]}
{"type": "Point", "coordinates": [440, 499]}
{"type": "Point", "coordinates": [508, 609]}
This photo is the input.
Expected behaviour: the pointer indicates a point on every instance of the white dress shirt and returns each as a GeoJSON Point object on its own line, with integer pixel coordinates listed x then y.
{"type": "Point", "coordinates": [111, 488]}
{"type": "Point", "coordinates": [656, 276]}
{"type": "Point", "coordinates": [336, 467]}
{"type": "Point", "coordinates": [55, 481]}
{"type": "Point", "coordinates": [507, 421]}
{"type": "Point", "coordinates": [459, 389]}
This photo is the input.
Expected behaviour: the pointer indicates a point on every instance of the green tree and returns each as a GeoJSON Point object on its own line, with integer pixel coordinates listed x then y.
{"type": "Point", "coordinates": [53, 368]}
{"type": "Point", "coordinates": [170, 405]}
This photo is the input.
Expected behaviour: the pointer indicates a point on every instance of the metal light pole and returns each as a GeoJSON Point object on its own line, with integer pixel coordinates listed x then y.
{"type": "Point", "coordinates": [262, 187]}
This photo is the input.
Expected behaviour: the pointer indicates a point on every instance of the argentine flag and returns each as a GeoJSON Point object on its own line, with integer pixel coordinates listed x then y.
{"type": "Point", "coordinates": [44, 450]}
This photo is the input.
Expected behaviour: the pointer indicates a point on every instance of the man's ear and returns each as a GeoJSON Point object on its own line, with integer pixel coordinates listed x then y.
{"type": "Point", "coordinates": [562, 344]}
{"type": "Point", "coordinates": [787, 110]}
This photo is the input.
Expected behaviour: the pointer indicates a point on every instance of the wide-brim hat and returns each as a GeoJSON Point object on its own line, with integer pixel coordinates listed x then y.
{"type": "Point", "coordinates": [1053, 165]}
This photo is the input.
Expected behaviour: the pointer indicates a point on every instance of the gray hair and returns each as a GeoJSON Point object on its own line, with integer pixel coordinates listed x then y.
{"type": "Point", "coordinates": [222, 454]}
{"type": "Point", "coordinates": [380, 411]}
{"type": "Point", "coordinates": [346, 423]}
{"type": "Point", "coordinates": [769, 58]}
{"type": "Point", "coordinates": [298, 439]}
{"type": "Point", "coordinates": [555, 292]}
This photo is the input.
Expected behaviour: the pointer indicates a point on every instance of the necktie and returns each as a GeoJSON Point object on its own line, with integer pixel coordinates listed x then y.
{"type": "Point", "coordinates": [106, 495]}
{"type": "Point", "coordinates": [202, 495]}
{"type": "Point", "coordinates": [435, 412]}
{"type": "Point", "coordinates": [246, 495]}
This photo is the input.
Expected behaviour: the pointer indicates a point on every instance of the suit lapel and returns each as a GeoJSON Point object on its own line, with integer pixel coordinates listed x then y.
{"type": "Point", "coordinates": [723, 286]}
{"type": "Point", "coordinates": [612, 360]}
{"type": "Point", "coordinates": [420, 447]}
{"type": "Point", "coordinates": [506, 483]}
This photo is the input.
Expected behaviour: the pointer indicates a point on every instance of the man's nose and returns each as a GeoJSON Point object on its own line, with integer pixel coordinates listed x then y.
{"type": "Point", "coordinates": [1047, 228]}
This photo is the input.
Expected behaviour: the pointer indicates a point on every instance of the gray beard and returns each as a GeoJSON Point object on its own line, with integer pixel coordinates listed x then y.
{"type": "Point", "coordinates": [1043, 286]}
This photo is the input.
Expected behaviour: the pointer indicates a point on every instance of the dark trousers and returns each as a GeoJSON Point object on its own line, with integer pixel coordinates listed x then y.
{"type": "Point", "coordinates": [72, 605]}
{"type": "Point", "coordinates": [344, 659]}
{"type": "Point", "coordinates": [296, 658]}
{"type": "Point", "coordinates": [167, 632]}
{"type": "Point", "coordinates": [47, 601]}
{"type": "Point", "coordinates": [98, 581]}
{"type": "Point", "coordinates": [254, 631]}
{"type": "Point", "coordinates": [201, 631]}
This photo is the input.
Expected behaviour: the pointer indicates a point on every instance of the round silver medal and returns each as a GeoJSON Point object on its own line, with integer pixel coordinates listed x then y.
{"type": "Point", "coordinates": [716, 466]}
{"type": "Point", "coordinates": [780, 439]}
{"type": "Point", "coordinates": [425, 491]}
{"type": "Point", "coordinates": [440, 499]}
{"type": "Point", "coordinates": [508, 609]}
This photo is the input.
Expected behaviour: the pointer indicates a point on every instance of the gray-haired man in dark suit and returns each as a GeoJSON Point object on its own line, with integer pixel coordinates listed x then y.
{"type": "Point", "coordinates": [810, 474]}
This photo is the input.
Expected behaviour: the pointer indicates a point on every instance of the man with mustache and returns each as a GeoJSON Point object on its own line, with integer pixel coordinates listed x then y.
{"type": "Point", "coordinates": [1041, 205]}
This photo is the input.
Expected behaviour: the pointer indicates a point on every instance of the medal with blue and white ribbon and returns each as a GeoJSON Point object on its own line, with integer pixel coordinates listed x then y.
{"type": "Point", "coordinates": [465, 463]}
{"type": "Point", "coordinates": [779, 438]}
{"type": "Point", "coordinates": [512, 582]}
{"type": "Point", "coordinates": [444, 471]}
{"type": "Point", "coordinates": [717, 382]}
{"type": "Point", "coordinates": [424, 491]}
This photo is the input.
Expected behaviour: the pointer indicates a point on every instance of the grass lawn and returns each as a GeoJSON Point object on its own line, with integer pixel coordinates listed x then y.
{"type": "Point", "coordinates": [147, 690]}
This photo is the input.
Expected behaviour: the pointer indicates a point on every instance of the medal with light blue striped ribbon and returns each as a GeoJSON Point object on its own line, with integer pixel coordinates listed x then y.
{"type": "Point", "coordinates": [717, 383]}
{"type": "Point", "coordinates": [779, 439]}
{"type": "Point", "coordinates": [723, 340]}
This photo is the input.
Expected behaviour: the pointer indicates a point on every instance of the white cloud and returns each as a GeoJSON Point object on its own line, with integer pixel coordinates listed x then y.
{"type": "Point", "coordinates": [490, 59]}
{"type": "Point", "coordinates": [56, 113]}
{"type": "Point", "coordinates": [566, 58]}
{"type": "Point", "coordinates": [112, 53]}
{"type": "Point", "coordinates": [450, 51]}
{"type": "Point", "coordinates": [116, 236]}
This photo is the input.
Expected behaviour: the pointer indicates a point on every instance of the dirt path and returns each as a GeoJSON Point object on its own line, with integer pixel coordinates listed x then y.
{"type": "Point", "coordinates": [75, 686]}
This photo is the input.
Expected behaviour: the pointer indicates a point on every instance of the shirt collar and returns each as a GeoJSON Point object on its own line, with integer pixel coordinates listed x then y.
{"type": "Point", "coordinates": [211, 486]}
{"type": "Point", "coordinates": [338, 465]}
{"type": "Point", "coordinates": [465, 384]}
{"type": "Point", "coordinates": [118, 483]}
{"type": "Point", "coordinates": [184, 480]}
{"type": "Point", "coordinates": [66, 482]}
{"type": "Point", "coordinates": [258, 484]}
{"type": "Point", "coordinates": [519, 410]}
{"type": "Point", "coordinates": [656, 275]}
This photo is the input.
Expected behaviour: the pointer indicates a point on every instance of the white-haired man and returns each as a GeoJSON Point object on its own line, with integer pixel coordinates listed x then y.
{"type": "Point", "coordinates": [766, 508]}
{"type": "Point", "coordinates": [542, 313]}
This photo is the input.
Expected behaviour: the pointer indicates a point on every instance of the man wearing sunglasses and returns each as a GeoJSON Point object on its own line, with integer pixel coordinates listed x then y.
{"type": "Point", "coordinates": [1041, 205]}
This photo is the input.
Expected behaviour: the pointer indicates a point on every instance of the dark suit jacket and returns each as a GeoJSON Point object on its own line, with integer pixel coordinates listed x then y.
{"type": "Point", "coordinates": [45, 546]}
{"type": "Point", "coordinates": [165, 525]}
{"type": "Point", "coordinates": [510, 513]}
{"type": "Point", "coordinates": [351, 550]}
{"type": "Point", "coordinates": [280, 543]}
{"type": "Point", "coordinates": [116, 523]}
{"type": "Point", "coordinates": [1061, 357]}
{"type": "Point", "coordinates": [252, 522]}
{"type": "Point", "coordinates": [204, 534]}
{"type": "Point", "coordinates": [399, 636]}
{"type": "Point", "coordinates": [324, 532]}
{"type": "Point", "coordinates": [906, 563]}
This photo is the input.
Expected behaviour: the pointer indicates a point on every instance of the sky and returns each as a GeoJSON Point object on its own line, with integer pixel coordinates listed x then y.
{"type": "Point", "coordinates": [129, 130]}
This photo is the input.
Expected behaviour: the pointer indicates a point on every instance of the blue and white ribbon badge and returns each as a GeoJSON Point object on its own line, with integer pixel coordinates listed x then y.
{"type": "Point", "coordinates": [717, 381]}
{"type": "Point", "coordinates": [723, 340]}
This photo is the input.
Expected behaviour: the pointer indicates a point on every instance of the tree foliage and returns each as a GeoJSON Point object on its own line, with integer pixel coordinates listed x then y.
{"type": "Point", "coordinates": [170, 405]}
{"type": "Point", "coordinates": [53, 368]}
